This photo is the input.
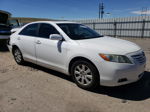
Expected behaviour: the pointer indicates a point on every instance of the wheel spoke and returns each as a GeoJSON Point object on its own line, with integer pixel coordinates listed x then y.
{"type": "Point", "coordinates": [78, 77]}
{"type": "Point", "coordinates": [87, 80]}
{"type": "Point", "coordinates": [16, 53]}
{"type": "Point", "coordinates": [19, 58]}
{"type": "Point", "coordinates": [88, 71]}
{"type": "Point", "coordinates": [77, 72]}
{"type": "Point", "coordinates": [83, 67]}
{"type": "Point", "coordinates": [89, 77]}
{"type": "Point", "coordinates": [82, 80]}
{"type": "Point", "coordinates": [78, 67]}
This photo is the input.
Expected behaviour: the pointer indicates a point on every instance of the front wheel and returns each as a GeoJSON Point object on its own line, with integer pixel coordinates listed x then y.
{"type": "Point", "coordinates": [18, 56]}
{"type": "Point", "coordinates": [85, 74]}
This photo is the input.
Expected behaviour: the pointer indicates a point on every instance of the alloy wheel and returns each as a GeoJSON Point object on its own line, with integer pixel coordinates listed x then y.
{"type": "Point", "coordinates": [83, 74]}
{"type": "Point", "coordinates": [17, 55]}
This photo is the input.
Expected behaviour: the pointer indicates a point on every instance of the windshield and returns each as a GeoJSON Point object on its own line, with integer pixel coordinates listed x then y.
{"type": "Point", "coordinates": [78, 31]}
{"type": "Point", "coordinates": [14, 23]}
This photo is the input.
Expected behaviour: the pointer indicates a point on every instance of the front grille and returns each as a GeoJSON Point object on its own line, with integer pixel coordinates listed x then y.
{"type": "Point", "coordinates": [140, 57]}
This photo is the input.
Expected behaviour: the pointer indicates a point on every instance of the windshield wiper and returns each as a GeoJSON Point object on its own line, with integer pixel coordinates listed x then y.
{"type": "Point", "coordinates": [96, 36]}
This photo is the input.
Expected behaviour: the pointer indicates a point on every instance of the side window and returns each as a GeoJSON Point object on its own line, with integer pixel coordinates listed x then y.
{"type": "Point", "coordinates": [30, 30]}
{"type": "Point", "coordinates": [46, 30]}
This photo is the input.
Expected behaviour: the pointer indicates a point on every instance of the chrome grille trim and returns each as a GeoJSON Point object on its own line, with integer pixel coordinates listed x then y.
{"type": "Point", "coordinates": [140, 57]}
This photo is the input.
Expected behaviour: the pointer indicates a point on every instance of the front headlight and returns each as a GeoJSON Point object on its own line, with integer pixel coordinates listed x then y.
{"type": "Point", "coordinates": [115, 58]}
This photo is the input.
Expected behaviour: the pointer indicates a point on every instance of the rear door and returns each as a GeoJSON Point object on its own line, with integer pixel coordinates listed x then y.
{"type": "Point", "coordinates": [26, 40]}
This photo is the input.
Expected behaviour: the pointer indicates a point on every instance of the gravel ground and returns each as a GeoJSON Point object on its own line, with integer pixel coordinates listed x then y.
{"type": "Point", "coordinates": [32, 88]}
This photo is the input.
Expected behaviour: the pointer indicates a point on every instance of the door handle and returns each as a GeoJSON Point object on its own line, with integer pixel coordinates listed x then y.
{"type": "Point", "coordinates": [38, 42]}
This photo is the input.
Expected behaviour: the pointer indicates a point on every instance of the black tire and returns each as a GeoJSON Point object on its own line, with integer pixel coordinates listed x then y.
{"type": "Point", "coordinates": [93, 83]}
{"type": "Point", "coordinates": [18, 56]}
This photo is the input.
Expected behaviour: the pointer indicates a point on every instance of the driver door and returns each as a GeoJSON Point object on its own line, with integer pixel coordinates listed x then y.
{"type": "Point", "coordinates": [50, 53]}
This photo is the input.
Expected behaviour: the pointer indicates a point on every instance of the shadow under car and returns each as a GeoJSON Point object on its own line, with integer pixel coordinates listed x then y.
{"type": "Point", "coordinates": [137, 91]}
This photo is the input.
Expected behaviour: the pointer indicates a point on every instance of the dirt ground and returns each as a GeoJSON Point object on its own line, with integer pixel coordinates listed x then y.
{"type": "Point", "coordinates": [31, 88]}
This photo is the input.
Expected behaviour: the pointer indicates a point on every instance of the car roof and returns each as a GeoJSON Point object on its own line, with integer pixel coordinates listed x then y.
{"type": "Point", "coordinates": [5, 12]}
{"type": "Point", "coordinates": [55, 22]}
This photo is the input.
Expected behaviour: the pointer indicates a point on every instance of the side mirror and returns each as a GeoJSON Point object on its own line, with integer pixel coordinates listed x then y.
{"type": "Point", "coordinates": [55, 37]}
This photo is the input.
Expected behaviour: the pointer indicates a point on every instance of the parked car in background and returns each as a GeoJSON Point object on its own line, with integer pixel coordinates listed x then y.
{"type": "Point", "coordinates": [74, 49]}
{"type": "Point", "coordinates": [6, 24]}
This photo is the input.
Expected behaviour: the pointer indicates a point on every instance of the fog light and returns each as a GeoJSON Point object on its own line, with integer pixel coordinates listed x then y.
{"type": "Point", "coordinates": [141, 75]}
{"type": "Point", "coordinates": [122, 80]}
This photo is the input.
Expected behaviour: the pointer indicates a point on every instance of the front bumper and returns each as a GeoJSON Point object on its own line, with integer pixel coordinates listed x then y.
{"type": "Point", "coordinates": [116, 74]}
{"type": "Point", "coordinates": [121, 75]}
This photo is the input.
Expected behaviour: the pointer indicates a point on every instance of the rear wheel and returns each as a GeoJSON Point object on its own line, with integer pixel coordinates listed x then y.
{"type": "Point", "coordinates": [18, 56]}
{"type": "Point", "coordinates": [85, 74]}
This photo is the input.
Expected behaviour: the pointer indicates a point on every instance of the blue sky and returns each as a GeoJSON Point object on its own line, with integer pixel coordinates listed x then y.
{"type": "Point", "coordinates": [72, 9]}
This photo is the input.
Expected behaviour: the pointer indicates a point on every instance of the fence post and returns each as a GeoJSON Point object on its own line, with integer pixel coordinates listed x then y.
{"type": "Point", "coordinates": [115, 28]}
{"type": "Point", "coordinates": [93, 26]}
{"type": "Point", "coordinates": [143, 28]}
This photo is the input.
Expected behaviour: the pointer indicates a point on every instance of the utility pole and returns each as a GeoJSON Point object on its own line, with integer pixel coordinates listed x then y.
{"type": "Point", "coordinates": [101, 10]}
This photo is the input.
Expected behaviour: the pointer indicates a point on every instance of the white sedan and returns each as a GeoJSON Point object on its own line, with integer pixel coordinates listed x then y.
{"type": "Point", "coordinates": [76, 50]}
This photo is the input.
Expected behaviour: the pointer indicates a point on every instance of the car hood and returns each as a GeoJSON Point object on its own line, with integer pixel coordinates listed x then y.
{"type": "Point", "coordinates": [4, 16]}
{"type": "Point", "coordinates": [109, 45]}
